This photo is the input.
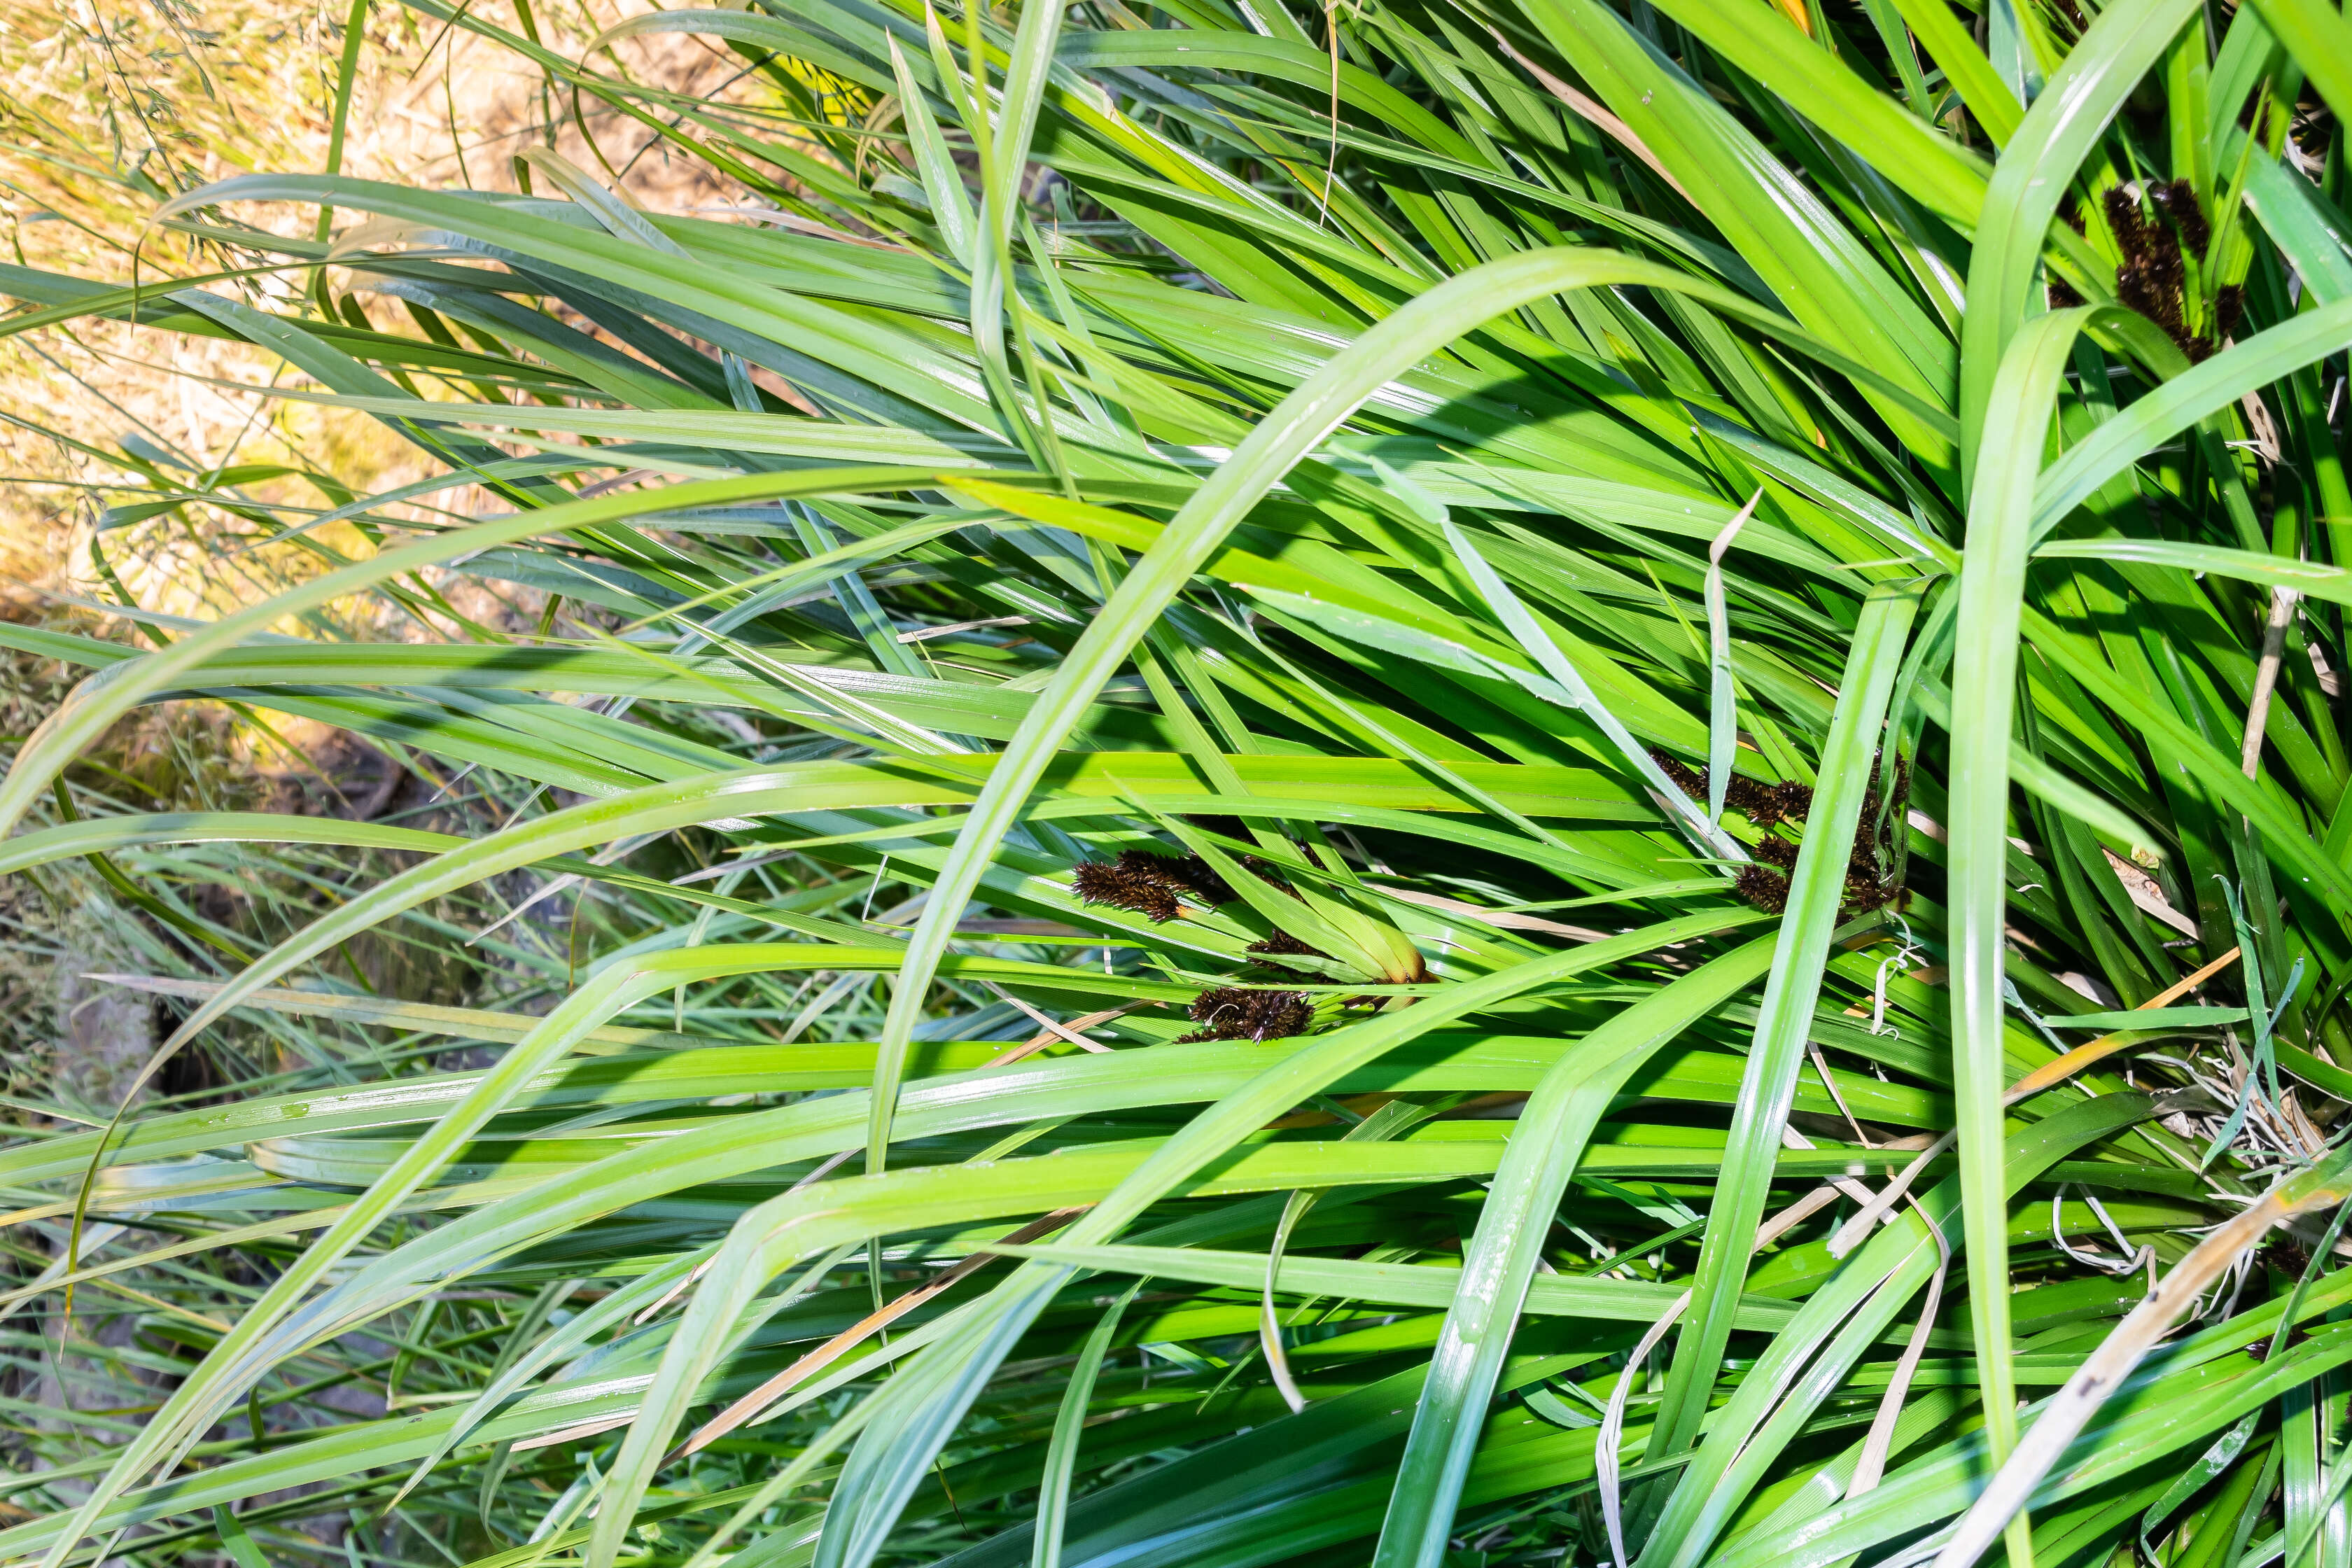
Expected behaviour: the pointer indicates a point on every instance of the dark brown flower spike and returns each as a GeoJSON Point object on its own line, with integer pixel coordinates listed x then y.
{"type": "Point", "coordinates": [1121, 887]}
{"type": "Point", "coordinates": [1190, 873]}
{"type": "Point", "coordinates": [1147, 884]}
{"type": "Point", "coordinates": [1764, 804]}
{"type": "Point", "coordinates": [1874, 877]}
{"type": "Point", "coordinates": [2178, 203]}
{"type": "Point", "coordinates": [2153, 276]}
{"type": "Point", "coordinates": [1281, 945]}
{"type": "Point", "coordinates": [1231, 1013]}
{"type": "Point", "coordinates": [1764, 888]}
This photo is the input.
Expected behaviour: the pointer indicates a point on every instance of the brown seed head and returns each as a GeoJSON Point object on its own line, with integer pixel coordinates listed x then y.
{"type": "Point", "coordinates": [1119, 885]}
{"type": "Point", "coordinates": [2178, 203]}
{"type": "Point", "coordinates": [1762, 887]}
{"type": "Point", "coordinates": [1189, 872]}
{"type": "Point", "coordinates": [1281, 945]}
{"type": "Point", "coordinates": [1231, 1013]}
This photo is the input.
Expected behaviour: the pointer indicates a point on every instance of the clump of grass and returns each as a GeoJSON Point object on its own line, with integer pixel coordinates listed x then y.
{"type": "Point", "coordinates": [1396, 436]}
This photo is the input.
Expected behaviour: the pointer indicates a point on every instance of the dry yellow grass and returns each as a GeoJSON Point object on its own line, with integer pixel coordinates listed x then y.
{"type": "Point", "coordinates": [106, 109]}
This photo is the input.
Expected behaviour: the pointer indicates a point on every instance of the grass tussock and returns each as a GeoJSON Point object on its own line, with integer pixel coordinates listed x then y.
{"type": "Point", "coordinates": [1442, 783]}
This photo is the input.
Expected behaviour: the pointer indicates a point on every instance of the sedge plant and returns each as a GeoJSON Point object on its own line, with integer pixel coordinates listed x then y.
{"type": "Point", "coordinates": [1454, 782]}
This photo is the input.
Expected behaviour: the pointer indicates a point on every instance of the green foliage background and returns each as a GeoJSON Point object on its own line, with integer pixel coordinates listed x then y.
{"type": "Point", "coordinates": [1703, 600]}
